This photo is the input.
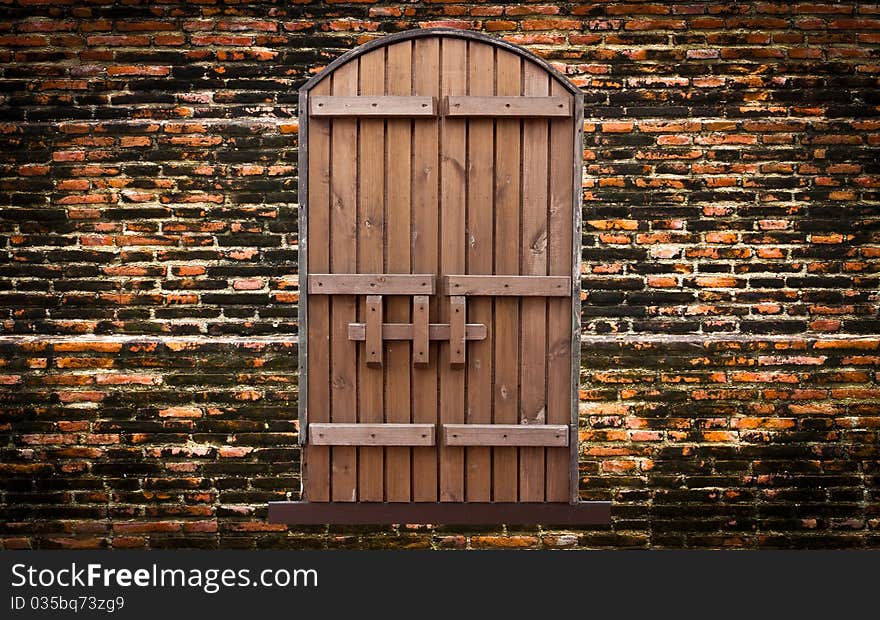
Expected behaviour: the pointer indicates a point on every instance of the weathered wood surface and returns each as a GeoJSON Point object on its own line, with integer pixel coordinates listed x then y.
{"type": "Point", "coordinates": [324, 106]}
{"type": "Point", "coordinates": [321, 434]}
{"type": "Point", "coordinates": [371, 284]}
{"type": "Point", "coordinates": [505, 435]}
{"type": "Point", "coordinates": [511, 286]}
{"type": "Point", "coordinates": [395, 204]}
{"type": "Point", "coordinates": [507, 106]}
{"type": "Point", "coordinates": [407, 331]}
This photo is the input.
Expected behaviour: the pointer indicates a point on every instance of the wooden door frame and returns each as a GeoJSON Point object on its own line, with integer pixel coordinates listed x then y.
{"type": "Point", "coordinates": [577, 201]}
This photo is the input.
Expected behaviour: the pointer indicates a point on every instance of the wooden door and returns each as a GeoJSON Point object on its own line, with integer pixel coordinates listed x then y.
{"type": "Point", "coordinates": [439, 249]}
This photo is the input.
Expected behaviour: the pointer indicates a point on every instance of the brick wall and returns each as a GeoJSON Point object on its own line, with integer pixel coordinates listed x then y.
{"type": "Point", "coordinates": [731, 344]}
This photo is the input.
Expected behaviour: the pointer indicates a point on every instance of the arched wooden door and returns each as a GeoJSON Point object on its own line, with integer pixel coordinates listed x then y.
{"type": "Point", "coordinates": [440, 200]}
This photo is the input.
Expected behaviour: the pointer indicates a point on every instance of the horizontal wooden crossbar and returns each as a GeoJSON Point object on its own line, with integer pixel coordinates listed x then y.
{"type": "Point", "coordinates": [371, 284]}
{"type": "Point", "coordinates": [339, 434]}
{"type": "Point", "coordinates": [507, 106]}
{"type": "Point", "coordinates": [404, 331]}
{"type": "Point", "coordinates": [505, 435]}
{"type": "Point", "coordinates": [517, 286]}
{"type": "Point", "coordinates": [457, 513]}
{"type": "Point", "coordinates": [325, 105]}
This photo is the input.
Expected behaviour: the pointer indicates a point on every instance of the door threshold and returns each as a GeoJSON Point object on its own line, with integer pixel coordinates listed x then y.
{"type": "Point", "coordinates": [458, 513]}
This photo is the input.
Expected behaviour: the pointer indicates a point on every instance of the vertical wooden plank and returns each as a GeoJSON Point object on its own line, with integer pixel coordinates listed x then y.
{"type": "Point", "coordinates": [343, 259]}
{"type": "Point", "coordinates": [534, 262]}
{"type": "Point", "coordinates": [481, 171]}
{"type": "Point", "coordinates": [559, 324]}
{"type": "Point", "coordinates": [420, 319]}
{"type": "Point", "coordinates": [398, 174]}
{"type": "Point", "coordinates": [457, 319]}
{"type": "Point", "coordinates": [371, 246]}
{"type": "Point", "coordinates": [505, 472]}
{"type": "Point", "coordinates": [374, 330]}
{"type": "Point", "coordinates": [577, 186]}
{"type": "Point", "coordinates": [425, 206]}
{"type": "Point", "coordinates": [453, 81]}
{"type": "Point", "coordinates": [316, 461]}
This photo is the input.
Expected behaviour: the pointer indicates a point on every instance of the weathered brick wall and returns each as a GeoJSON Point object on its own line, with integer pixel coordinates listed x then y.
{"type": "Point", "coordinates": [148, 285]}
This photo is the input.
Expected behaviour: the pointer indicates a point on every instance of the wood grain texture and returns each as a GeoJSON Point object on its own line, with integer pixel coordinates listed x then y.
{"type": "Point", "coordinates": [453, 185]}
{"type": "Point", "coordinates": [371, 242]}
{"type": "Point", "coordinates": [559, 310]}
{"type": "Point", "coordinates": [480, 238]}
{"type": "Point", "coordinates": [407, 331]}
{"type": "Point", "coordinates": [375, 345]}
{"type": "Point", "coordinates": [505, 435]}
{"type": "Point", "coordinates": [505, 390]}
{"type": "Point", "coordinates": [457, 338]}
{"type": "Point", "coordinates": [372, 434]}
{"type": "Point", "coordinates": [374, 106]}
{"type": "Point", "coordinates": [316, 460]}
{"type": "Point", "coordinates": [511, 286]}
{"type": "Point", "coordinates": [398, 173]}
{"type": "Point", "coordinates": [505, 106]}
{"type": "Point", "coordinates": [420, 329]}
{"type": "Point", "coordinates": [533, 407]}
{"type": "Point", "coordinates": [371, 284]}
{"type": "Point", "coordinates": [425, 256]}
{"type": "Point", "coordinates": [343, 259]}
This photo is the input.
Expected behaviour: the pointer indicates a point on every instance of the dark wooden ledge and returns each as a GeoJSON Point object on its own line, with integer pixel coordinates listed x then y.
{"type": "Point", "coordinates": [472, 513]}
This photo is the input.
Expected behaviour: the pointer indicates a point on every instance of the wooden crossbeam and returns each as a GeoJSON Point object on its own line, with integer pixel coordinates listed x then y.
{"type": "Point", "coordinates": [507, 106]}
{"type": "Point", "coordinates": [549, 435]}
{"type": "Point", "coordinates": [404, 331]}
{"type": "Point", "coordinates": [371, 284]}
{"type": "Point", "coordinates": [339, 434]}
{"type": "Point", "coordinates": [516, 286]}
{"type": "Point", "coordinates": [324, 105]}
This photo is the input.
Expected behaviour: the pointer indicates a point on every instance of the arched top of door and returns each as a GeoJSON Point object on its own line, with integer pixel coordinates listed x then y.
{"type": "Point", "coordinates": [442, 33]}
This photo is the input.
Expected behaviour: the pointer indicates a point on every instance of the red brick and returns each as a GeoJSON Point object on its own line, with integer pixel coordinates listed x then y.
{"type": "Point", "coordinates": [118, 40]}
{"type": "Point", "coordinates": [181, 412]}
{"type": "Point", "coordinates": [128, 379]}
{"type": "Point", "coordinates": [550, 24]}
{"type": "Point", "coordinates": [617, 127]}
{"type": "Point", "coordinates": [504, 542]}
{"type": "Point", "coordinates": [148, 25]}
{"type": "Point", "coordinates": [138, 70]}
{"type": "Point", "coordinates": [23, 41]}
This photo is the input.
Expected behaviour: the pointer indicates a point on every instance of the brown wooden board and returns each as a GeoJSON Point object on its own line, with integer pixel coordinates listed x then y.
{"type": "Point", "coordinates": [511, 286]}
{"type": "Point", "coordinates": [472, 513]}
{"type": "Point", "coordinates": [316, 461]}
{"type": "Point", "coordinates": [533, 262]}
{"type": "Point", "coordinates": [343, 259]}
{"type": "Point", "coordinates": [370, 284]}
{"type": "Point", "coordinates": [425, 255]}
{"type": "Point", "coordinates": [453, 241]}
{"type": "Point", "coordinates": [439, 275]}
{"type": "Point", "coordinates": [361, 434]}
{"type": "Point", "coordinates": [398, 166]}
{"type": "Point", "coordinates": [373, 106]}
{"type": "Point", "coordinates": [480, 242]}
{"type": "Point", "coordinates": [408, 331]}
{"type": "Point", "coordinates": [560, 487]}
{"type": "Point", "coordinates": [421, 329]}
{"type": "Point", "coordinates": [505, 435]}
{"type": "Point", "coordinates": [371, 227]}
{"type": "Point", "coordinates": [373, 338]}
{"type": "Point", "coordinates": [505, 106]}
{"type": "Point", "coordinates": [507, 215]}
